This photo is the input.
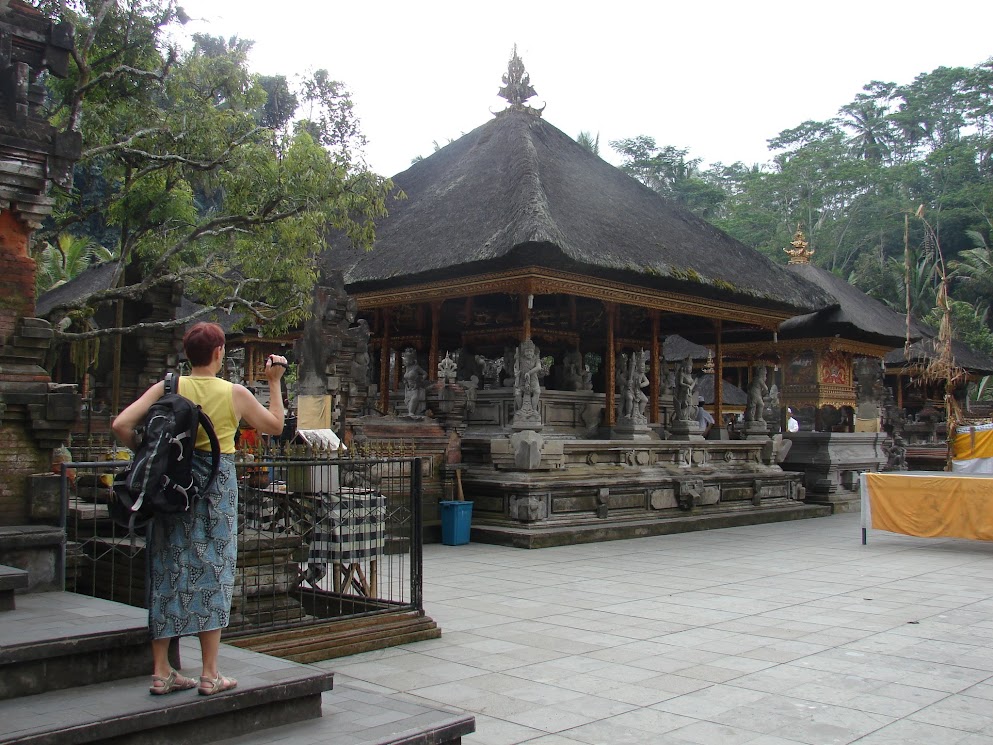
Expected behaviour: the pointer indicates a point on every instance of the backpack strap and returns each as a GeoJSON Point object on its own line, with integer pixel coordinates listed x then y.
{"type": "Point", "coordinates": [215, 447]}
{"type": "Point", "coordinates": [171, 383]}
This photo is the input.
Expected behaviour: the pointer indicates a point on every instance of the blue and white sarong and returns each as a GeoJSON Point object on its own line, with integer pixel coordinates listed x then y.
{"type": "Point", "coordinates": [192, 557]}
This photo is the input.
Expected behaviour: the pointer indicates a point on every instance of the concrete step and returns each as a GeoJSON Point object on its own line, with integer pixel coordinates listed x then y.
{"type": "Point", "coordinates": [53, 640]}
{"type": "Point", "coordinates": [271, 692]}
{"type": "Point", "coordinates": [353, 715]}
{"type": "Point", "coordinates": [11, 580]}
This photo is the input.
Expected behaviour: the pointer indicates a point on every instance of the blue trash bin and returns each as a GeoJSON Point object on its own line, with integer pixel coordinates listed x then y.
{"type": "Point", "coordinates": [456, 520]}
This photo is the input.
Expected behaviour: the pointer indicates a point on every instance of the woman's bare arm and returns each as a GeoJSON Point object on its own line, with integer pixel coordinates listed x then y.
{"type": "Point", "coordinates": [127, 421]}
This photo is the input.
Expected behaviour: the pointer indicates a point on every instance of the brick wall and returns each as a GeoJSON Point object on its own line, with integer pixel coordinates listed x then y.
{"type": "Point", "coordinates": [19, 457]}
{"type": "Point", "coordinates": [18, 275]}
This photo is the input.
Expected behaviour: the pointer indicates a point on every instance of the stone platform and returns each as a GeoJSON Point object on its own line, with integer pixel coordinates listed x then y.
{"type": "Point", "coordinates": [74, 669]}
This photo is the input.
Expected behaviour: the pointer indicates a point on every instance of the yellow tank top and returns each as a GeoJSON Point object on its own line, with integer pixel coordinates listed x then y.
{"type": "Point", "coordinates": [215, 397]}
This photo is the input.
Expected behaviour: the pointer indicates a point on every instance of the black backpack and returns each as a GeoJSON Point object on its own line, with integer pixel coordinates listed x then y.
{"type": "Point", "coordinates": [160, 477]}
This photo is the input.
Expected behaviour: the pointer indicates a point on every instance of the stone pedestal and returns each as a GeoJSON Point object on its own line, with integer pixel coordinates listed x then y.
{"type": "Point", "coordinates": [831, 463]}
{"type": "Point", "coordinates": [756, 430]}
{"type": "Point", "coordinates": [630, 429]}
{"type": "Point", "coordinates": [685, 430]}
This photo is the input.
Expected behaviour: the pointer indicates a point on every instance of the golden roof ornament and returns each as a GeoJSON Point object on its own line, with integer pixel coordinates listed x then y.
{"type": "Point", "coordinates": [708, 367]}
{"type": "Point", "coordinates": [517, 88]}
{"type": "Point", "coordinates": [800, 253]}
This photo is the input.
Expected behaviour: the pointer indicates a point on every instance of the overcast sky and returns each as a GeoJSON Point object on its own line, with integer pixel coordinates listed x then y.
{"type": "Point", "coordinates": [719, 78]}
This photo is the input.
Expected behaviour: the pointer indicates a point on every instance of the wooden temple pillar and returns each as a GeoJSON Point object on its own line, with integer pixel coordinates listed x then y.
{"type": "Point", "coordinates": [384, 364]}
{"type": "Point", "coordinates": [719, 375]}
{"type": "Point", "coordinates": [435, 336]}
{"type": "Point", "coordinates": [397, 370]}
{"type": "Point", "coordinates": [527, 299]}
{"type": "Point", "coordinates": [654, 371]}
{"type": "Point", "coordinates": [609, 411]}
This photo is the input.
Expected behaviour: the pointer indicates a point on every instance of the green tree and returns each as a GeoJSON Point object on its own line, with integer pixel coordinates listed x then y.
{"type": "Point", "coordinates": [67, 258]}
{"type": "Point", "coordinates": [668, 171]}
{"type": "Point", "coordinates": [199, 185]}
{"type": "Point", "coordinates": [590, 142]}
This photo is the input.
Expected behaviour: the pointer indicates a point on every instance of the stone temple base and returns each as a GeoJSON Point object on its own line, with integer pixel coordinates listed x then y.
{"type": "Point", "coordinates": [545, 535]}
{"type": "Point", "coordinates": [591, 490]}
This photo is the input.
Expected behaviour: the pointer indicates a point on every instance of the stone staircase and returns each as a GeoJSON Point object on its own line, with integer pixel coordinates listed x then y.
{"type": "Point", "coordinates": [75, 669]}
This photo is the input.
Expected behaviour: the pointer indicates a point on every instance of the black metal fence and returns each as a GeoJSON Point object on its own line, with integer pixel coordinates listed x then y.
{"type": "Point", "coordinates": [320, 537]}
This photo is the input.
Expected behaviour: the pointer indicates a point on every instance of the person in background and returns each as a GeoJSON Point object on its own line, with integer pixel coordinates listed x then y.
{"type": "Point", "coordinates": [192, 555]}
{"type": "Point", "coordinates": [703, 417]}
{"type": "Point", "coordinates": [792, 425]}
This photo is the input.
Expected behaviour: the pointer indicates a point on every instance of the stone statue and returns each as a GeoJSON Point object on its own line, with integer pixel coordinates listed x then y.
{"type": "Point", "coordinates": [414, 381]}
{"type": "Point", "coordinates": [685, 385]}
{"type": "Point", "coordinates": [447, 369]}
{"type": "Point", "coordinates": [896, 456]}
{"type": "Point", "coordinates": [572, 371]}
{"type": "Point", "coordinates": [637, 381]}
{"type": "Point", "coordinates": [509, 357]}
{"type": "Point", "coordinates": [360, 362]}
{"type": "Point", "coordinates": [621, 374]}
{"type": "Point", "coordinates": [757, 391]}
{"type": "Point", "coordinates": [527, 385]}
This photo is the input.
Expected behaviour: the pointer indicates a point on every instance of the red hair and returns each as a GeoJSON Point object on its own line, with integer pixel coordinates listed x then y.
{"type": "Point", "coordinates": [200, 342]}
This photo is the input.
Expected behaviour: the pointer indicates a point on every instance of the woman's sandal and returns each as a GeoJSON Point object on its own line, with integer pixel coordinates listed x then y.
{"type": "Point", "coordinates": [210, 686]}
{"type": "Point", "coordinates": [173, 682]}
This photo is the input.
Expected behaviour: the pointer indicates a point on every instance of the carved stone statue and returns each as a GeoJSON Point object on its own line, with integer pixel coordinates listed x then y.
{"type": "Point", "coordinates": [637, 381]}
{"type": "Point", "coordinates": [771, 405]}
{"type": "Point", "coordinates": [414, 381]}
{"type": "Point", "coordinates": [447, 369]}
{"type": "Point", "coordinates": [572, 371]}
{"type": "Point", "coordinates": [360, 363]}
{"type": "Point", "coordinates": [896, 456]}
{"type": "Point", "coordinates": [685, 385]}
{"type": "Point", "coordinates": [528, 370]}
{"type": "Point", "coordinates": [621, 374]}
{"type": "Point", "coordinates": [757, 391]}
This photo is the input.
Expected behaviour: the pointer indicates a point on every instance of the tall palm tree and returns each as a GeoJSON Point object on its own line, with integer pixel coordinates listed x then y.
{"type": "Point", "coordinates": [589, 142]}
{"type": "Point", "coordinates": [68, 258]}
{"type": "Point", "coordinates": [974, 267]}
{"type": "Point", "coordinates": [873, 138]}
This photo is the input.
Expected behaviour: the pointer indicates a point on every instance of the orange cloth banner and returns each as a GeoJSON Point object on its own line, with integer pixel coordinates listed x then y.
{"type": "Point", "coordinates": [975, 442]}
{"type": "Point", "coordinates": [929, 505]}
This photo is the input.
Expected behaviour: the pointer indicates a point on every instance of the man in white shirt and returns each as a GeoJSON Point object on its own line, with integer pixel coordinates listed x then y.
{"type": "Point", "coordinates": [703, 417]}
{"type": "Point", "coordinates": [792, 425]}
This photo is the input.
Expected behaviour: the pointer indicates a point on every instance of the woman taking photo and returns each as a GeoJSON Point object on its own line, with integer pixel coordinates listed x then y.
{"type": "Point", "coordinates": [192, 555]}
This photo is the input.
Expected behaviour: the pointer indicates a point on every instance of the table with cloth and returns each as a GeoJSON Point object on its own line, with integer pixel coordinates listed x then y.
{"type": "Point", "coordinates": [928, 504]}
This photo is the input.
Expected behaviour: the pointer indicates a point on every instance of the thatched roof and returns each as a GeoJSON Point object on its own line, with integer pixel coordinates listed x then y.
{"type": "Point", "coordinates": [93, 279]}
{"type": "Point", "coordinates": [732, 395]}
{"type": "Point", "coordinates": [853, 315]}
{"type": "Point", "coordinates": [675, 348]}
{"type": "Point", "coordinates": [518, 192]}
{"type": "Point", "coordinates": [925, 350]}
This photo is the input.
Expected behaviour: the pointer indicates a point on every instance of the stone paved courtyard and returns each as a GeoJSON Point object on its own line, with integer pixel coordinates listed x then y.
{"type": "Point", "coordinates": [770, 635]}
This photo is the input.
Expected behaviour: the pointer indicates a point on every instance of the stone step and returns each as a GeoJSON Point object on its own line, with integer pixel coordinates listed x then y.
{"type": "Point", "coordinates": [341, 638]}
{"type": "Point", "coordinates": [53, 640]}
{"type": "Point", "coordinates": [353, 715]}
{"type": "Point", "coordinates": [270, 693]}
{"type": "Point", "coordinates": [544, 535]}
{"type": "Point", "coordinates": [11, 580]}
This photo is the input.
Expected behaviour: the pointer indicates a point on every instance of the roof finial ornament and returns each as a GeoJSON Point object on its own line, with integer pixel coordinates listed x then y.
{"type": "Point", "coordinates": [517, 88]}
{"type": "Point", "coordinates": [800, 253]}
